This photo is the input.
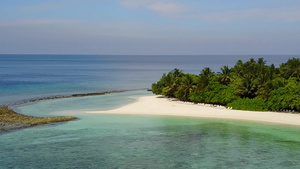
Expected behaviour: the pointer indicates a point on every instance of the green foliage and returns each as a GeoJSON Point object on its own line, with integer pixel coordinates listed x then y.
{"type": "Point", "coordinates": [245, 87]}
{"type": "Point", "coordinates": [224, 75]}
{"type": "Point", "coordinates": [291, 69]}
{"type": "Point", "coordinates": [186, 86]}
{"type": "Point", "coordinates": [287, 97]}
{"type": "Point", "coordinates": [168, 84]}
{"type": "Point", "coordinates": [203, 79]}
{"type": "Point", "coordinates": [265, 89]}
{"type": "Point", "coordinates": [250, 85]}
{"type": "Point", "coordinates": [215, 93]}
{"type": "Point", "coordinates": [255, 104]}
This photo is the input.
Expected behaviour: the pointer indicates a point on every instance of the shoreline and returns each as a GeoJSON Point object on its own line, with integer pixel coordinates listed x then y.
{"type": "Point", "coordinates": [160, 106]}
{"type": "Point", "coordinates": [11, 120]}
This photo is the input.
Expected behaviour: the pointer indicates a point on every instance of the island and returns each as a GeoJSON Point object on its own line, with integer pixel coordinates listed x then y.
{"type": "Point", "coordinates": [252, 85]}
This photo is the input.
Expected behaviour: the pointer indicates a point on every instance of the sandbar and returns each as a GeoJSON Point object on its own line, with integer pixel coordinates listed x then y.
{"type": "Point", "coordinates": [160, 106]}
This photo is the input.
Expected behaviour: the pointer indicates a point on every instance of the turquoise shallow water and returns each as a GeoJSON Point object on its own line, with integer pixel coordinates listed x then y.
{"type": "Point", "coordinates": [75, 106]}
{"type": "Point", "coordinates": [124, 141]}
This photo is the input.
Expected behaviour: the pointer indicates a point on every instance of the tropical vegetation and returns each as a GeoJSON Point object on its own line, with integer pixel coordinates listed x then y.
{"type": "Point", "coordinates": [250, 85]}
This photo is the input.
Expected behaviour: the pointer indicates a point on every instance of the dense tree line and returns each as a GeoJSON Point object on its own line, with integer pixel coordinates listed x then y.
{"type": "Point", "coordinates": [250, 85]}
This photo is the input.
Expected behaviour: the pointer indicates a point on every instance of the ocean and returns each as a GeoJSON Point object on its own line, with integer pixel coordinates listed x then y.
{"type": "Point", "coordinates": [34, 76]}
{"type": "Point", "coordinates": [125, 141]}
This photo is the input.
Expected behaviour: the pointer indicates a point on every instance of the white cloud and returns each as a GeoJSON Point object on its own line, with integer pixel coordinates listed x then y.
{"type": "Point", "coordinates": [282, 14]}
{"type": "Point", "coordinates": [162, 7]}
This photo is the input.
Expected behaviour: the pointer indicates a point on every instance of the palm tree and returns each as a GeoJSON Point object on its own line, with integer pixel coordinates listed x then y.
{"type": "Point", "coordinates": [206, 72]}
{"type": "Point", "coordinates": [186, 87]}
{"type": "Point", "coordinates": [261, 61]}
{"type": "Point", "coordinates": [238, 69]}
{"type": "Point", "coordinates": [272, 72]}
{"type": "Point", "coordinates": [245, 87]}
{"type": "Point", "coordinates": [250, 68]}
{"type": "Point", "coordinates": [224, 75]}
{"type": "Point", "coordinates": [203, 78]}
{"type": "Point", "coordinates": [291, 68]}
{"type": "Point", "coordinates": [262, 71]}
{"type": "Point", "coordinates": [165, 81]}
{"type": "Point", "coordinates": [177, 73]}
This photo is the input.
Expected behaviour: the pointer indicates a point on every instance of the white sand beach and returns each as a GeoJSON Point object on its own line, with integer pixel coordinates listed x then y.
{"type": "Point", "coordinates": [158, 106]}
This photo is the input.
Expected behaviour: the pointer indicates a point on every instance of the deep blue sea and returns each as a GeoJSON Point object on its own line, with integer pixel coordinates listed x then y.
{"type": "Point", "coordinates": [126, 141]}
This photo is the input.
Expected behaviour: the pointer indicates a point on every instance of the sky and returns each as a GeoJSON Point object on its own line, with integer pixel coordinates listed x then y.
{"type": "Point", "coordinates": [150, 27]}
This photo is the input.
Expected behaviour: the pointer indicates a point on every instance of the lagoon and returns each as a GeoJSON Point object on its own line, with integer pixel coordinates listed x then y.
{"type": "Point", "coordinates": [127, 141]}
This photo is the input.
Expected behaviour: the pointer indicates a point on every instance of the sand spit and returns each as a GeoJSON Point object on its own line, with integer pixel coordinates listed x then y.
{"type": "Point", "coordinates": [160, 106]}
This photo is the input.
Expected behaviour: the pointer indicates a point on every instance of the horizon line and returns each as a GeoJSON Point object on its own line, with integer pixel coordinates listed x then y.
{"type": "Point", "coordinates": [150, 54]}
